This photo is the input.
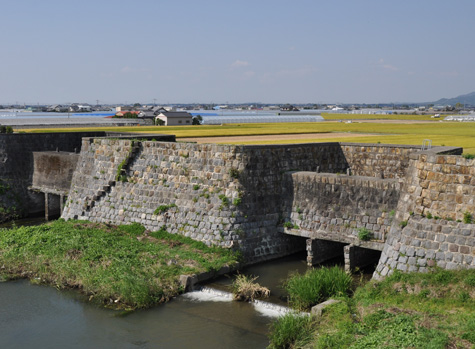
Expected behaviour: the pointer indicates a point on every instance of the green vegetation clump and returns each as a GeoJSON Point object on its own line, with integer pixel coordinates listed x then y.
{"type": "Point", "coordinates": [364, 234]}
{"type": "Point", "coordinates": [6, 129]}
{"type": "Point", "coordinates": [224, 200]}
{"type": "Point", "coordinates": [403, 224]}
{"type": "Point", "coordinates": [163, 208]}
{"type": "Point", "coordinates": [234, 173]}
{"type": "Point", "coordinates": [469, 156]}
{"type": "Point", "coordinates": [316, 285]}
{"type": "Point", "coordinates": [291, 331]}
{"type": "Point", "coordinates": [405, 310]}
{"type": "Point", "coordinates": [288, 225]}
{"type": "Point", "coordinates": [118, 266]}
{"type": "Point", "coordinates": [467, 218]}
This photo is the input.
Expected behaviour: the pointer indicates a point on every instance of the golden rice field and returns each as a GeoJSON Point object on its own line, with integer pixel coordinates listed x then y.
{"type": "Point", "coordinates": [336, 116]}
{"type": "Point", "coordinates": [441, 133]}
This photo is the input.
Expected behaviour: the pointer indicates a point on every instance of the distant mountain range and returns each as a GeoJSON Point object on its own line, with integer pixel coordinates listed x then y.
{"type": "Point", "coordinates": [468, 99]}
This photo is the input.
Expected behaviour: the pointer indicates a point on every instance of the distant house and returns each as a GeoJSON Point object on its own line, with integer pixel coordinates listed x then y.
{"type": "Point", "coordinates": [58, 108]}
{"type": "Point", "coordinates": [288, 107]}
{"type": "Point", "coordinates": [76, 107]}
{"type": "Point", "coordinates": [175, 118]}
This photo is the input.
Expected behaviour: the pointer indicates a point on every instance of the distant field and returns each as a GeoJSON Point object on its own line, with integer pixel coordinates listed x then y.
{"type": "Point", "coordinates": [333, 116]}
{"type": "Point", "coordinates": [441, 133]}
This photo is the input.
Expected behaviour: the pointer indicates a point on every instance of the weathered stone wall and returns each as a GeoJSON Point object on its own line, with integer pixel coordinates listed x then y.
{"type": "Point", "coordinates": [441, 187]}
{"type": "Point", "coordinates": [335, 207]}
{"type": "Point", "coordinates": [17, 166]}
{"type": "Point", "coordinates": [239, 196]}
{"type": "Point", "coordinates": [225, 195]}
{"type": "Point", "coordinates": [425, 243]}
{"type": "Point", "coordinates": [378, 160]}
{"type": "Point", "coordinates": [54, 170]}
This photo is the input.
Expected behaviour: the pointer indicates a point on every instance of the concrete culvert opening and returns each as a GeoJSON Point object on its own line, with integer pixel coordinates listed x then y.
{"type": "Point", "coordinates": [321, 251]}
{"type": "Point", "coordinates": [361, 259]}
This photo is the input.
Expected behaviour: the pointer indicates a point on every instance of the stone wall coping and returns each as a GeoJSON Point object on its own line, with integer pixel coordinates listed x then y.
{"type": "Point", "coordinates": [380, 145]}
{"type": "Point", "coordinates": [437, 151]}
{"type": "Point", "coordinates": [54, 152]}
{"type": "Point", "coordinates": [344, 176]}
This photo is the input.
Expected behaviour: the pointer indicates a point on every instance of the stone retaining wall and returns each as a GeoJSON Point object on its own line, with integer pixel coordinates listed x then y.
{"type": "Point", "coordinates": [442, 185]}
{"type": "Point", "coordinates": [426, 243]}
{"type": "Point", "coordinates": [442, 188]}
{"type": "Point", "coordinates": [239, 196]}
{"type": "Point", "coordinates": [378, 160]}
{"type": "Point", "coordinates": [17, 166]}
{"type": "Point", "coordinates": [335, 207]}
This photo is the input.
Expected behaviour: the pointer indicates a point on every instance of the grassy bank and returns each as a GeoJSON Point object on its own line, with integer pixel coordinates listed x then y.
{"type": "Point", "coordinates": [433, 310]}
{"type": "Point", "coordinates": [122, 266]}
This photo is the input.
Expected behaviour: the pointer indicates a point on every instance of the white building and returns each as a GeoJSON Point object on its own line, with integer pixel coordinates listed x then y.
{"type": "Point", "coordinates": [175, 118]}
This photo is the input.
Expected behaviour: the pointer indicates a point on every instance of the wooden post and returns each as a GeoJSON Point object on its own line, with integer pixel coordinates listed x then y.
{"type": "Point", "coordinates": [46, 207]}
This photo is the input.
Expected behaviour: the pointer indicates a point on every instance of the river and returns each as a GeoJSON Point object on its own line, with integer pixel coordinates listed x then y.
{"type": "Point", "coordinates": [43, 317]}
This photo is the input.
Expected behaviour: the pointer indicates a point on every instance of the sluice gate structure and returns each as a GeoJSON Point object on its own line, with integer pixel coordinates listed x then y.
{"type": "Point", "coordinates": [368, 203]}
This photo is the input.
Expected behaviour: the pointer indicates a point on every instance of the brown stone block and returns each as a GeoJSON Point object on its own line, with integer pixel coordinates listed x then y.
{"type": "Point", "coordinates": [451, 159]}
{"type": "Point", "coordinates": [464, 249]}
{"type": "Point", "coordinates": [426, 202]}
{"type": "Point", "coordinates": [440, 159]}
{"type": "Point", "coordinates": [466, 179]}
{"type": "Point", "coordinates": [453, 248]}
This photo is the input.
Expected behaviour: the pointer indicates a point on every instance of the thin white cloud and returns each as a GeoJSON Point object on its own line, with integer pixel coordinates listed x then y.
{"type": "Point", "coordinates": [126, 70]}
{"type": "Point", "coordinates": [449, 74]}
{"type": "Point", "coordinates": [386, 66]}
{"type": "Point", "coordinates": [239, 64]}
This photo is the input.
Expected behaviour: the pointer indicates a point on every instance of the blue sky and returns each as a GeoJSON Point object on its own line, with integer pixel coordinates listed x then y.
{"type": "Point", "coordinates": [183, 51]}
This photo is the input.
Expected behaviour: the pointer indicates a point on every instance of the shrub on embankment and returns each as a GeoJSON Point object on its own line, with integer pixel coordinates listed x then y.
{"type": "Point", "coordinates": [123, 266]}
{"type": "Point", "coordinates": [413, 310]}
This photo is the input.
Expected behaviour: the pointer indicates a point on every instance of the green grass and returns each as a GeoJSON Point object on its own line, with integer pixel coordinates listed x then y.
{"type": "Point", "coordinates": [119, 266]}
{"type": "Point", "coordinates": [291, 330]}
{"type": "Point", "coordinates": [316, 285]}
{"type": "Point", "coordinates": [410, 310]}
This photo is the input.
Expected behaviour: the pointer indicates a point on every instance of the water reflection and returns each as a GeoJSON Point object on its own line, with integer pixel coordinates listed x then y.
{"type": "Point", "coordinates": [40, 316]}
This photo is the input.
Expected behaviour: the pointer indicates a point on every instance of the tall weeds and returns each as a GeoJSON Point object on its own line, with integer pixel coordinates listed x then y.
{"type": "Point", "coordinates": [316, 285]}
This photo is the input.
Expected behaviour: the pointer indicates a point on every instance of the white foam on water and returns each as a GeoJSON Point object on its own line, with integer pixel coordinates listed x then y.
{"type": "Point", "coordinates": [269, 309]}
{"type": "Point", "coordinates": [209, 295]}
